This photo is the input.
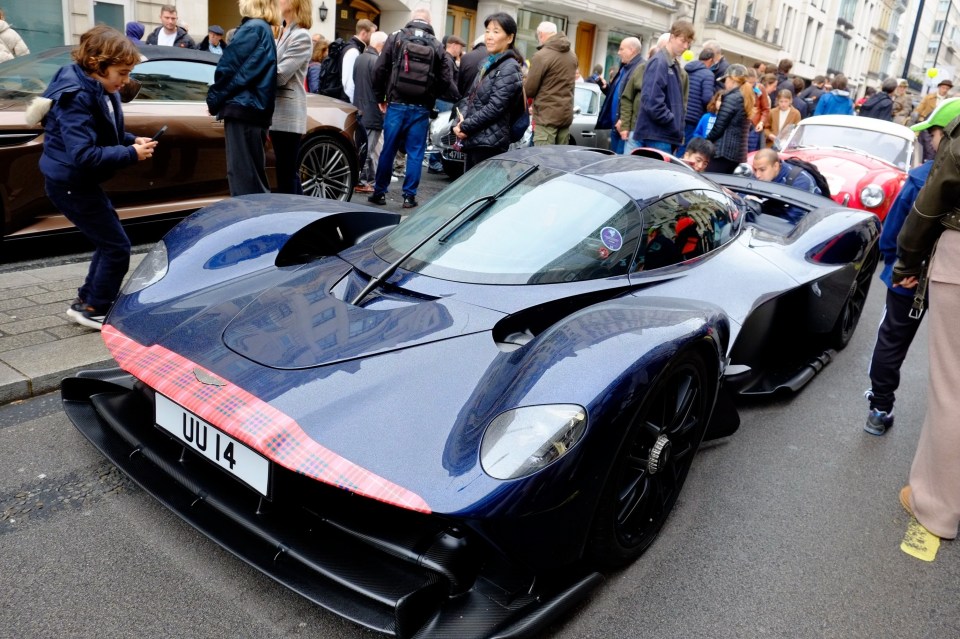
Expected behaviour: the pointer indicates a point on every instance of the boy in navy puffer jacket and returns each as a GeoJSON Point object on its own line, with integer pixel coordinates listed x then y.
{"type": "Point", "coordinates": [84, 143]}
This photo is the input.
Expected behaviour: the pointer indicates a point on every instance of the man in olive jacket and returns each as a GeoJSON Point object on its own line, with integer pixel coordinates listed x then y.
{"type": "Point", "coordinates": [549, 83]}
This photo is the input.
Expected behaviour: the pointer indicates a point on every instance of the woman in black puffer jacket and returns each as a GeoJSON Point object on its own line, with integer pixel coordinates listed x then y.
{"type": "Point", "coordinates": [493, 101]}
{"type": "Point", "coordinates": [730, 131]}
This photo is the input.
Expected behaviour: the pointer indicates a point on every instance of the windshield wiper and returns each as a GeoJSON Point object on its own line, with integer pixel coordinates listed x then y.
{"type": "Point", "coordinates": [486, 200]}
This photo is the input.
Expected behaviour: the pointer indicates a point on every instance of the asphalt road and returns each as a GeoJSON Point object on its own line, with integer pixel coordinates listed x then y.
{"type": "Point", "coordinates": [790, 528]}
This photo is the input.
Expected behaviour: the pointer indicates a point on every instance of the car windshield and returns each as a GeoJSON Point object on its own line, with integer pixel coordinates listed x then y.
{"type": "Point", "coordinates": [587, 100]}
{"type": "Point", "coordinates": [551, 227]}
{"type": "Point", "coordinates": [28, 76]}
{"type": "Point", "coordinates": [892, 148]}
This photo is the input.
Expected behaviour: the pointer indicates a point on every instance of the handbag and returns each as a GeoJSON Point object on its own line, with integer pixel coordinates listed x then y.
{"type": "Point", "coordinates": [520, 123]}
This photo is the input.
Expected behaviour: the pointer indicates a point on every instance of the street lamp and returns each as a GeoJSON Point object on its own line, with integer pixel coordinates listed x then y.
{"type": "Point", "coordinates": [323, 12]}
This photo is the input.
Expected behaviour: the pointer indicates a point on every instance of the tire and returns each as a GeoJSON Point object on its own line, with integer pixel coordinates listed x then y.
{"type": "Point", "coordinates": [849, 317]}
{"type": "Point", "coordinates": [452, 168]}
{"type": "Point", "coordinates": [326, 169]}
{"type": "Point", "coordinates": [643, 485]}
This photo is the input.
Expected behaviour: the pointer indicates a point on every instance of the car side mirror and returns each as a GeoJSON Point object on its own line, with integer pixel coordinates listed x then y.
{"type": "Point", "coordinates": [130, 90]}
{"type": "Point", "coordinates": [577, 110]}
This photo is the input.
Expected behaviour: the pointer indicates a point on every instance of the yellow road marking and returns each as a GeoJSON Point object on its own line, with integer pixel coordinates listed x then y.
{"type": "Point", "coordinates": [919, 542]}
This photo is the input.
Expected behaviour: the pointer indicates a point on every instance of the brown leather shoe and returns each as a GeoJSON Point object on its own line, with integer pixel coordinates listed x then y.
{"type": "Point", "coordinates": [363, 188]}
{"type": "Point", "coordinates": [905, 500]}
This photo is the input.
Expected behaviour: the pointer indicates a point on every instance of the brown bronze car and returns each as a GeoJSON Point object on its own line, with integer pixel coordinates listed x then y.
{"type": "Point", "coordinates": [188, 170]}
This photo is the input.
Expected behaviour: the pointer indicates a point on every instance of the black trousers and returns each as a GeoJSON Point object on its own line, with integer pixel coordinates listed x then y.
{"type": "Point", "coordinates": [91, 211]}
{"type": "Point", "coordinates": [478, 154]}
{"type": "Point", "coordinates": [286, 149]}
{"type": "Point", "coordinates": [722, 165]}
{"type": "Point", "coordinates": [896, 332]}
{"type": "Point", "coordinates": [246, 158]}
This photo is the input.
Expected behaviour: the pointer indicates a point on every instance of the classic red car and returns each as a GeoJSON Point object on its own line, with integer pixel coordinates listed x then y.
{"type": "Point", "coordinates": [864, 160]}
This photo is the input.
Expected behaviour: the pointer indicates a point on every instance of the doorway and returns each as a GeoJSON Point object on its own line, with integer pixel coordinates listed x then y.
{"type": "Point", "coordinates": [586, 33]}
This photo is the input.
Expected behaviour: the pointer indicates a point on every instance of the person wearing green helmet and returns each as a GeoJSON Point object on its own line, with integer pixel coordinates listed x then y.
{"type": "Point", "coordinates": [932, 494]}
{"type": "Point", "coordinates": [899, 325]}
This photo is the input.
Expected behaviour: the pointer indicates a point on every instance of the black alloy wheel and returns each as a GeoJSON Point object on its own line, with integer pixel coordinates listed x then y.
{"type": "Point", "coordinates": [853, 305]}
{"type": "Point", "coordinates": [653, 462]}
{"type": "Point", "coordinates": [326, 170]}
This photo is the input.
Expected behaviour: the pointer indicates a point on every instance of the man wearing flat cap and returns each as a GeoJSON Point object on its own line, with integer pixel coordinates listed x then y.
{"type": "Point", "coordinates": [902, 104]}
{"type": "Point", "coordinates": [928, 105]}
{"type": "Point", "coordinates": [933, 99]}
{"type": "Point", "coordinates": [214, 42]}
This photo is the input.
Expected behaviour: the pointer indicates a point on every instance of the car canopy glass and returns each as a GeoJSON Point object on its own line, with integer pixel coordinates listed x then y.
{"type": "Point", "coordinates": [551, 227]}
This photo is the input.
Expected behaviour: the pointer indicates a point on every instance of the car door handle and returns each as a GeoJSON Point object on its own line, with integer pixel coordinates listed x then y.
{"type": "Point", "coordinates": [588, 134]}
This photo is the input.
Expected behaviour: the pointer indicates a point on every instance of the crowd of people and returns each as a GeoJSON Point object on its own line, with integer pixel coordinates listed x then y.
{"type": "Point", "coordinates": [734, 108]}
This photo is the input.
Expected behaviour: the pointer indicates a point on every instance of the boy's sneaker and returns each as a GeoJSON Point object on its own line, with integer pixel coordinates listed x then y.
{"type": "Point", "coordinates": [878, 422]}
{"type": "Point", "coordinates": [86, 315]}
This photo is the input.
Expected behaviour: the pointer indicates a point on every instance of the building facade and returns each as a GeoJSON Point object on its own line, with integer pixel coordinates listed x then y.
{"type": "Point", "coordinates": [866, 40]}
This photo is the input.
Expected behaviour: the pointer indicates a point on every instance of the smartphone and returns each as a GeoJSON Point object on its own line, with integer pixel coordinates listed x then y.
{"type": "Point", "coordinates": [159, 134]}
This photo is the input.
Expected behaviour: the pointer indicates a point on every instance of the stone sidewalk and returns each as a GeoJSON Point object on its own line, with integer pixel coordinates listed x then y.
{"type": "Point", "coordinates": [39, 344]}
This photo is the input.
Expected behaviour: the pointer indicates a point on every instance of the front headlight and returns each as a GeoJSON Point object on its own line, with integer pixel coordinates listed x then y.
{"type": "Point", "coordinates": [871, 196]}
{"type": "Point", "coordinates": [521, 441]}
{"type": "Point", "coordinates": [151, 269]}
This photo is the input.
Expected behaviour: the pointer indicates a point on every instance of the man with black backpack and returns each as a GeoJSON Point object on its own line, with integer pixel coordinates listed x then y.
{"type": "Point", "coordinates": [768, 167]}
{"type": "Point", "coordinates": [351, 52]}
{"type": "Point", "coordinates": [409, 76]}
{"type": "Point", "coordinates": [335, 75]}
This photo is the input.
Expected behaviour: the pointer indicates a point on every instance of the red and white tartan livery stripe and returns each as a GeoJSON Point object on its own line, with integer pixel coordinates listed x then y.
{"type": "Point", "coordinates": [256, 423]}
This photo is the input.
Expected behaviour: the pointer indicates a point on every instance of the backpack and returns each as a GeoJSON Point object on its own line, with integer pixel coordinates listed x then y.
{"type": "Point", "coordinates": [414, 62]}
{"type": "Point", "coordinates": [329, 82]}
{"type": "Point", "coordinates": [802, 165]}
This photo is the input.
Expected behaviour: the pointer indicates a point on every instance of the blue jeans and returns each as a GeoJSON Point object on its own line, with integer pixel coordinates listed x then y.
{"type": "Point", "coordinates": [657, 144]}
{"type": "Point", "coordinates": [406, 123]}
{"type": "Point", "coordinates": [616, 142]}
{"type": "Point", "coordinates": [91, 211]}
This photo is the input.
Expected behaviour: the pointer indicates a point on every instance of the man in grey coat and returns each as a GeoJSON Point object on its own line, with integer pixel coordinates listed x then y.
{"type": "Point", "coordinates": [370, 116]}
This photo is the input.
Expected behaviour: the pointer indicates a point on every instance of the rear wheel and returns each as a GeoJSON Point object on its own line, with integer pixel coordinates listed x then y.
{"type": "Point", "coordinates": [846, 324]}
{"type": "Point", "coordinates": [653, 463]}
{"type": "Point", "coordinates": [325, 169]}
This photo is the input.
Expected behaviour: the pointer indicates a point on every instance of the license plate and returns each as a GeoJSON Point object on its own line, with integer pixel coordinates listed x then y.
{"type": "Point", "coordinates": [223, 450]}
{"type": "Point", "coordinates": [458, 156]}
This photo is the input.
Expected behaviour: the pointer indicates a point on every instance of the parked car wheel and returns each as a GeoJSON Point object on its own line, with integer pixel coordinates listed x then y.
{"type": "Point", "coordinates": [653, 462]}
{"type": "Point", "coordinates": [325, 169]}
{"type": "Point", "coordinates": [853, 305]}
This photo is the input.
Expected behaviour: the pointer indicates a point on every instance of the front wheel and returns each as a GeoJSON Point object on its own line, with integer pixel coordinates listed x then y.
{"type": "Point", "coordinates": [326, 170]}
{"type": "Point", "coordinates": [853, 305]}
{"type": "Point", "coordinates": [652, 463]}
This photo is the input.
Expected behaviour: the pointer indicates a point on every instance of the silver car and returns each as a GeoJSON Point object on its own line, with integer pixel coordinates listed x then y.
{"type": "Point", "coordinates": [587, 100]}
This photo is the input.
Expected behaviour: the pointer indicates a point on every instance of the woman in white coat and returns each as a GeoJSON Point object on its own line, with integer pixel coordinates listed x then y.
{"type": "Point", "coordinates": [294, 48]}
{"type": "Point", "coordinates": [11, 44]}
